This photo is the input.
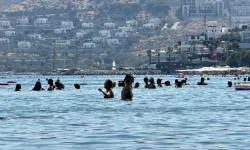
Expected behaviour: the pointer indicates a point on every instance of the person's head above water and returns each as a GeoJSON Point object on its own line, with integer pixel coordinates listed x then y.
{"type": "Point", "coordinates": [202, 80]}
{"type": "Point", "coordinates": [38, 86]}
{"type": "Point", "coordinates": [137, 85]}
{"type": "Point", "coordinates": [167, 83]}
{"type": "Point", "coordinates": [51, 82]}
{"type": "Point", "coordinates": [158, 81]}
{"type": "Point", "coordinates": [18, 87]}
{"type": "Point", "coordinates": [77, 86]}
{"type": "Point", "coordinates": [229, 84]}
{"type": "Point", "coordinates": [151, 80]}
{"type": "Point", "coordinates": [129, 79]}
{"type": "Point", "coordinates": [108, 84]}
{"type": "Point", "coordinates": [146, 80]}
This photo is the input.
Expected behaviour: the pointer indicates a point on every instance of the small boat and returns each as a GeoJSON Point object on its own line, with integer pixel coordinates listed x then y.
{"type": "Point", "coordinates": [4, 84]}
{"type": "Point", "coordinates": [180, 75]}
{"type": "Point", "coordinates": [83, 84]}
{"type": "Point", "coordinates": [11, 82]}
{"type": "Point", "coordinates": [242, 87]}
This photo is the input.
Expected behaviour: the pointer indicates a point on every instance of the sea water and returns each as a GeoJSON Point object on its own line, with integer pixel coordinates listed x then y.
{"type": "Point", "coordinates": [192, 117]}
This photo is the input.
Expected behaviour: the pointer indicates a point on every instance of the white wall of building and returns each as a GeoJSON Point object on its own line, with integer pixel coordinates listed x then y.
{"type": "Point", "coordinates": [24, 44]}
{"type": "Point", "coordinates": [9, 33]}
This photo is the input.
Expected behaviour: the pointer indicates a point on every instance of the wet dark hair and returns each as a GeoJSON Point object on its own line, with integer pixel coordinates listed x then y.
{"type": "Point", "coordinates": [77, 86]}
{"type": "Point", "coordinates": [109, 84]}
{"type": "Point", "coordinates": [176, 81]}
{"type": "Point", "coordinates": [208, 79]}
{"type": "Point", "coordinates": [50, 82]}
{"type": "Point", "coordinates": [229, 84]}
{"type": "Point", "coordinates": [137, 85]}
{"type": "Point", "coordinates": [145, 80]}
{"type": "Point", "coordinates": [128, 78]}
{"type": "Point", "coordinates": [167, 83]}
{"type": "Point", "coordinates": [158, 81]}
{"type": "Point", "coordinates": [179, 84]}
{"type": "Point", "coordinates": [202, 79]}
{"type": "Point", "coordinates": [18, 87]}
{"type": "Point", "coordinates": [245, 79]}
{"type": "Point", "coordinates": [38, 86]}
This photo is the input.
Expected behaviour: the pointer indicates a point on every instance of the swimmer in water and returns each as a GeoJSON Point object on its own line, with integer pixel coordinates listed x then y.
{"type": "Point", "coordinates": [108, 86]}
{"type": "Point", "coordinates": [38, 86]}
{"type": "Point", "coordinates": [18, 87]}
{"type": "Point", "coordinates": [137, 85]}
{"type": "Point", "coordinates": [146, 82]}
{"type": "Point", "coordinates": [127, 93]}
{"type": "Point", "coordinates": [77, 86]}
{"type": "Point", "coordinates": [51, 85]}
{"type": "Point", "coordinates": [151, 83]}
{"type": "Point", "coordinates": [202, 82]}
{"type": "Point", "coordinates": [158, 81]}
{"type": "Point", "coordinates": [167, 83]}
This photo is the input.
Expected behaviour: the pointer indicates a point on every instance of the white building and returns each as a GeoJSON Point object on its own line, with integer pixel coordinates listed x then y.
{"type": "Point", "coordinates": [98, 40]}
{"type": "Point", "coordinates": [149, 26]}
{"type": "Point", "coordinates": [213, 31]}
{"type": "Point", "coordinates": [193, 44]}
{"type": "Point", "coordinates": [4, 41]}
{"type": "Point", "coordinates": [60, 31]}
{"type": "Point", "coordinates": [81, 33]}
{"type": "Point", "coordinates": [240, 12]}
{"type": "Point", "coordinates": [89, 45]}
{"type": "Point", "coordinates": [131, 23]}
{"type": "Point", "coordinates": [62, 43]}
{"type": "Point", "coordinates": [109, 25]}
{"type": "Point", "coordinates": [67, 24]}
{"type": "Point", "coordinates": [121, 34]}
{"type": "Point", "coordinates": [88, 25]}
{"type": "Point", "coordinates": [125, 29]}
{"type": "Point", "coordinates": [24, 44]}
{"type": "Point", "coordinates": [5, 23]}
{"type": "Point", "coordinates": [22, 21]}
{"type": "Point", "coordinates": [35, 36]}
{"type": "Point", "coordinates": [202, 8]}
{"type": "Point", "coordinates": [41, 21]}
{"type": "Point", "coordinates": [105, 33]}
{"type": "Point", "coordinates": [9, 33]}
{"type": "Point", "coordinates": [112, 42]}
{"type": "Point", "coordinates": [155, 21]}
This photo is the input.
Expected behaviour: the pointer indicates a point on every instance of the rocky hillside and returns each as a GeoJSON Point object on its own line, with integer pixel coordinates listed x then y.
{"type": "Point", "coordinates": [28, 5]}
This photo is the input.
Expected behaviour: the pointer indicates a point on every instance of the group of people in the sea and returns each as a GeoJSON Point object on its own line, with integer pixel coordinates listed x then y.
{"type": "Point", "coordinates": [127, 85]}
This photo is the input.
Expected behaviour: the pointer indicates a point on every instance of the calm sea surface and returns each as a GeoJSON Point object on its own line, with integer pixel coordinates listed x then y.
{"type": "Point", "coordinates": [193, 117]}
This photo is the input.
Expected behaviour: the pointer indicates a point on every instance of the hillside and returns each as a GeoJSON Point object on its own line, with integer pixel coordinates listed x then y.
{"type": "Point", "coordinates": [29, 5]}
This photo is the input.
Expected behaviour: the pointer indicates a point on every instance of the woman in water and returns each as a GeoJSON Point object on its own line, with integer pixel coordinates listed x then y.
{"type": "Point", "coordinates": [18, 87]}
{"type": "Point", "coordinates": [108, 86]}
{"type": "Point", "coordinates": [158, 81]}
{"type": "Point", "coordinates": [146, 82]}
{"type": "Point", "coordinates": [38, 86]}
{"type": "Point", "coordinates": [151, 83]}
{"type": "Point", "coordinates": [127, 93]}
{"type": "Point", "coordinates": [51, 85]}
{"type": "Point", "coordinates": [202, 82]}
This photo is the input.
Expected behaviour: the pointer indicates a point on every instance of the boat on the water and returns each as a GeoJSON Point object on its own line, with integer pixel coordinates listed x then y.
{"type": "Point", "coordinates": [4, 84]}
{"type": "Point", "coordinates": [242, 87]}
{"type": "Point", "coordinates": [11, 82]}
